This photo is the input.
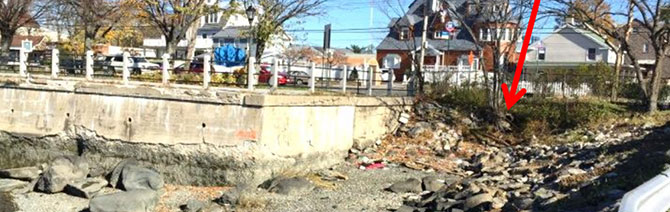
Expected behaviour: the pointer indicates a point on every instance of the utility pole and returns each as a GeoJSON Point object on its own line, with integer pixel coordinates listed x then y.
{"type": "Point", "coordinates": [418, 75]}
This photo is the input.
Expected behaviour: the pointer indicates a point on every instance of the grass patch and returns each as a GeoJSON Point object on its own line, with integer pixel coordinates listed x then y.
{"type": "Point", "coordinates": [535, 116]}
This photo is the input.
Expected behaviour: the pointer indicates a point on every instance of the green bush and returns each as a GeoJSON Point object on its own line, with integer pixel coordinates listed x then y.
{"type": "Point", "coordinates": [471, 100]}
{"type": "Point", "coordinates": [187, 78]}
{"type": "Point", "coordinates": [561, 115]}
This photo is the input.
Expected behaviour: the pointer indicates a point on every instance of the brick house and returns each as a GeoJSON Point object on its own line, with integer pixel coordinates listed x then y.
{"type": "Point", "coordinates": [448, 44]}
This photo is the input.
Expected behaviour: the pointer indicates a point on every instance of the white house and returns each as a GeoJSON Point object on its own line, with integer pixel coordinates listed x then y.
{"type": "Point", "coordinates": [568, 47]}
{"type": "Point", "coordinates": [214, 31]}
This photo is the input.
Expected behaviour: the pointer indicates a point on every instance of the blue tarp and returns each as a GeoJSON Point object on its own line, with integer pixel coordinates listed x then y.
{"type": "Point", "coordinates": [229, 56]}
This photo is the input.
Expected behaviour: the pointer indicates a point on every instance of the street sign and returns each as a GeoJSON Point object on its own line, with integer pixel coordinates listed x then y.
{"type": "Point", "coordinates": [27, 45]}
{"type": "Point", "coordinates": [450, 26]}
{"type": "Point", "coordinates": [326, 36]}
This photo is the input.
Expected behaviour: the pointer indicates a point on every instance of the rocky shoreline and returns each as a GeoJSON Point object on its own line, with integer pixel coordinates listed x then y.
{"type": "Point", "coordinates": [428, 164]}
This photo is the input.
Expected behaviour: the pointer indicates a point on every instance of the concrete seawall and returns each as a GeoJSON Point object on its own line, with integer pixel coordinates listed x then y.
{"type": "Point", "coordinates": [191, 135]}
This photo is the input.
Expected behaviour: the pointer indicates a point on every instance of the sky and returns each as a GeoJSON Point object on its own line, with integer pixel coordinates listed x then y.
{"type": "Point", "coordinates": [344, 14]}
{"type": "Point", "coordinates": [355, 14]}
{"type": "Point", "coordinates": [352, 23]}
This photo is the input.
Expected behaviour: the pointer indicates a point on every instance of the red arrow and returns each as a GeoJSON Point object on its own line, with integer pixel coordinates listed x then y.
{"type": "Point", "coordinates": [511, 96]}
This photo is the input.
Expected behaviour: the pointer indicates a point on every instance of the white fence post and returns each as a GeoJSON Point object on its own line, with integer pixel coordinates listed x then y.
{"type": "Point", "coordinates": [23, 68]}
{"type": "Point", "coordinates": [371, 76]}
{"type": "Point", "coordinates": [275, 73]}
{"type": "Point", "coordinates": [344, 78]}
{"type": "Point", "coordinates": [206, 69]}
{"type": "Point", "coordinates": [55, 62]}
{"type": "Point", "coordinates": [126, 71]}
{"type": "Point", "coordinates": [250, 73]}
{"type": "Point", "coordinates": [166, 65]}
{"type": "Point", "coordinates": [89, 65]}
{"type": "Point", "coordinates": [312, 81]}
{"type": "Point", "coordinates": [390, 83]}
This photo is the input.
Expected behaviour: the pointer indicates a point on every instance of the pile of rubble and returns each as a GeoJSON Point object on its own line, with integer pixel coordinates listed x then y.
{"type": "Point", "coordinates": [494, 177]}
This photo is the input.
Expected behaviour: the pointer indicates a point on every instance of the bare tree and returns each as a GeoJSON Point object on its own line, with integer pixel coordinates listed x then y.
{"type": "Point", "coordinates": [397, 11]}
{"type": "Point", "coordinates": [174, 17]}
{"type": "Point", "coordinates": [643, 16]}
{"type": "Point", "coordinates": [495, 27]}
{"type": "Point", "coordinates": [295, 54]}
{"type": "Point", "coordinates": [15, 14]}
{"type": "Point", "coordinates": [274, 14]}
{"type": "Point", "coordinates": [97, 17]}
{"type": "Point", "coordinates": [597, 17]}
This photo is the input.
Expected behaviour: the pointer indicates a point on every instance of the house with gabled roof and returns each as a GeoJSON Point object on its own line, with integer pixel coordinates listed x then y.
{"type": "Point", "coordinates": [448, 43]}
{"type": "Point", "coordinates": [568, 47]}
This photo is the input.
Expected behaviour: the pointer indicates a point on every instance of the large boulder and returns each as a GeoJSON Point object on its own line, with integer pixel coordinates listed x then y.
{"type": "Point", "coordinates": [135, 177]}
{"type": "Point", "coordinates": [24, 173]}
{"type": "Point", "coordinates": [86, 189]}
{"type": "Point", "coordinates": [432, 183]}
{"type": "Point", "coordinates": [141, 200]}
{"type": "Point", "coordinates": [129, 175]}
{"type": "Point", "coordinates": [62, 171]}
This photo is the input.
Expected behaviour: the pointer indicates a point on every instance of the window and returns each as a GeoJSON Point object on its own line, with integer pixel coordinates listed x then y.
{"type": "Point", "coordinates": [442, 35]}
{"type": "Point", "coordinates": [541, 54]}
{"type": "Point", "coordinates": [404, 33]}
{"type": "Point", "coordinates": [592, 54]}
{"type": "Point", "coordinates": [229, 41]}
{"type": "Point", "coordinates": [212, 18]}
{"type": "Point", "coordinates": [645, 48]}
{"type": "Point", "coordinates": [485, 34]}
{"type": "Point", "coordinates": [508, 35]}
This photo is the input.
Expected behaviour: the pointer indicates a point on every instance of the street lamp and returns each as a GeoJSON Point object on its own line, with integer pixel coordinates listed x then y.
{"type": "Point", "coordinates": [251, 15]}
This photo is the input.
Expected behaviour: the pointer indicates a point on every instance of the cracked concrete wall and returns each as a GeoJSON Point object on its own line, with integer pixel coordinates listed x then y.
{"type": "Point", "coordinates": [285, 131]}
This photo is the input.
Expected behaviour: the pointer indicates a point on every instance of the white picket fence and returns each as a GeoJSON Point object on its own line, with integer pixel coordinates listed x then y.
{"type": "Point", "coordinates": [462, 76]}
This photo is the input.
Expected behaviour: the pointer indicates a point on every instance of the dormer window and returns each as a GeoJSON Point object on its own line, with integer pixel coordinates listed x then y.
{"type": "Point", "coordinates": [645, 48]}
{"type": "Point", "coordinates": [212, 18]}
{"type": "Point", "coordinates": [404, 33]}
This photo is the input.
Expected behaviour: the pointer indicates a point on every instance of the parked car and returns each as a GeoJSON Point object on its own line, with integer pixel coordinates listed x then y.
{"type": "Point", "coordinates": [299, 77]}
{"type": "Point", "coordinates": [264, 76]}
{"type": "Point", "coordinates": [137, 65]}
{"type": "Point", "coordinates": [196, 67]}
{"type": "Point", "coordinates": [72, 65]}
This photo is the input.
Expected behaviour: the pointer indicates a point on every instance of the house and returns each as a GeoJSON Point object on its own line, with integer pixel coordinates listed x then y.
{"type": "Point", "coordinates": [448, 43]}
{"type": "Point", "coordinates": [215, 31]}
{"type": "Point", "coordinates": [568, 47]}
{"type": "Point", "coordinates": [234, 31]}
{"type": "Point", "coordinates": [640, 47]}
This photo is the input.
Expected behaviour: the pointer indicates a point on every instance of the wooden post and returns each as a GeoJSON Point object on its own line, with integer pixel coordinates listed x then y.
{"type": "Point", "coordinates": [344, 78]}
{"type": "Point", "coordinates": [206, 69]}
{"type": "Point", "coordinates": [55, 62]}
{"type": "Point", "coordinates": [312, 81]}
{"type": "Point", "coordinates": [126, 71]}
{"type": "Point", "coordinates": [250, 73]}
{"type": "Point", "coordinates": [275, 73]}
{"type": "Point", "coordinates": [89, 65]}
{"type": "Point", "coordinates": [165, 74]}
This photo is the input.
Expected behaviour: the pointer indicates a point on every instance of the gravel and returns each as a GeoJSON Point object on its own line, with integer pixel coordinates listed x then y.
{"type": "Point", "coordinates": [363, 191]}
